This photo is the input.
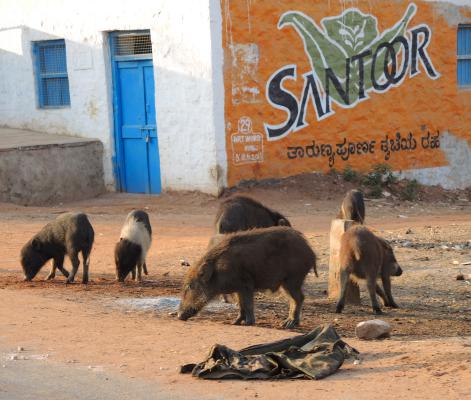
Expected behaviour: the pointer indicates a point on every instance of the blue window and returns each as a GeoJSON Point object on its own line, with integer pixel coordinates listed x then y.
{"type": "Point", "coordinates": [51, 74]}
{"type": "Point", "coordinates": [464, 56]}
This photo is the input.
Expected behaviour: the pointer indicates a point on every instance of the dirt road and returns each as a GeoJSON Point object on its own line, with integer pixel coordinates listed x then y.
{"type": "Point", "coordinates": [87, 331]}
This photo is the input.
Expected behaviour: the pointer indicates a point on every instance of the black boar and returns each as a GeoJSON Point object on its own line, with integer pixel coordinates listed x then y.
{"type": "Point", "coordinates": [69, 234]}
{"type": "Point", "coordinates": [245, 262]}
{"type": "Point", "coordinates": [241, 213]}
{"type": "Point", "coordinates": [353, 207]}
{"type": "Point", "coordinates": [134, 243]}
{"type": "Point", "coordinates": [363, 255]}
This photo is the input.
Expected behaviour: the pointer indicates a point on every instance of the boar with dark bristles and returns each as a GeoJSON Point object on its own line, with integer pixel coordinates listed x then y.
{"type": "Point", "coordinates": [249, 261]}
{"type": "Point", "coordinates": [353, 207]}
{"type": "Point", "coordinates": [240, 213]}
{"type": "Point", "coordinates": [134, 243]}
{"type": "Point", "coordinates": [365, 256]}
{"type": "Point", "coordinates": [69, 234]}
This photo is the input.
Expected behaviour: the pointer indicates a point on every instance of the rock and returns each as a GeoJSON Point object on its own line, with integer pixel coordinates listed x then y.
{"type": "Point", "coordinates": [460, 277]}
{"type": "Point", "coordinates": [402, 216]}
{"type": "Point", "coordinates": [13, 357]}
{"type": "Point", "coordinates": [407, 244]}
{"type": "Point", "coordinates": [386, 194]}
{"type": "Point", "coordinates": [20, 348]}
{"type": "Point", "coordinates": [455, 262]}
{"type": "Point", "coordinates": [184, 263]}
{"type": "Point", "coordinates": [409, 231]}
{"type": "Point", "coordinates": [373, 329]}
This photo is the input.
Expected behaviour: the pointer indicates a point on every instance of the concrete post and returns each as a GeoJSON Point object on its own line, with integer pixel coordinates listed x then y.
{"type": "Point", "coordinates": [337, 229]}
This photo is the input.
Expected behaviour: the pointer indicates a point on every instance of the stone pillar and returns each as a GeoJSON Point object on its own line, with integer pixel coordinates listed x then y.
{"type": "Point", "coordinates": [337, 228]}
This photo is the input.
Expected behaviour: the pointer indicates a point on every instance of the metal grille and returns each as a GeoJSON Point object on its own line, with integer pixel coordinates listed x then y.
{"type": "Point", "coordinates": [131, 44]}
{"type": "Point", "coordinates": [51, 70]}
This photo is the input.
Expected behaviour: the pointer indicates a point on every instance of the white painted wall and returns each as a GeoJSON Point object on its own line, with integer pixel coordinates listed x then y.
{"type": "Point", "coordinates": [189, 88]}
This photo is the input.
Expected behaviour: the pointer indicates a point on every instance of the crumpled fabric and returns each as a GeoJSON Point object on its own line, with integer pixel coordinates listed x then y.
{"type": "Point", "coordinates": [314, 355]}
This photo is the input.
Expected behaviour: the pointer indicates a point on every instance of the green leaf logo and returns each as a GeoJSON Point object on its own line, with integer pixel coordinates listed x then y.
{"type": "Point", "coordinates": [348, 45]}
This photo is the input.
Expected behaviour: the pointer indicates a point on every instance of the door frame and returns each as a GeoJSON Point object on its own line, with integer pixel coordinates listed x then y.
{"type": "Point", "coordinates": [118, 159]}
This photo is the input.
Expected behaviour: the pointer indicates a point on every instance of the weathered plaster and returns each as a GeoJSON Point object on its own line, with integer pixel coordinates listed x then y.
{"type": "Point", "coordinates": [456, 175]}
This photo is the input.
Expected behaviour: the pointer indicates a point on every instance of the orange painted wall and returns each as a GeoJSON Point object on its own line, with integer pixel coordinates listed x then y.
{"type": "Point", "coordinates": [418, 105]}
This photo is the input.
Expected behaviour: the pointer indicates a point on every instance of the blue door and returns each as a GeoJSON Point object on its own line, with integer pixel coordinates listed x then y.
{"type": "Point", "coordinates": [137, 152]}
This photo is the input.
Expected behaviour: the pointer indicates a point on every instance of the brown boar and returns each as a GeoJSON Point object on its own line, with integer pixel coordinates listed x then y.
{"type": "Point", "coordinates": [241, 213]}
{"type": "Point", "coordinates": [353, 207]}
{"type": "Point", "coordinates": [245, 262]}
{"type": "Point", "coordinates": [365, 256]}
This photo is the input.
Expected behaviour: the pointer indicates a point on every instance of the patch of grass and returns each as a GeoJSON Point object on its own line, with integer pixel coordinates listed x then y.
{"type": "Point", "coordinates": [410, 191]}
{"type": "Point", "coordinates": [380, 177]}
{"type": "Point", "coordinates": [350, 175]}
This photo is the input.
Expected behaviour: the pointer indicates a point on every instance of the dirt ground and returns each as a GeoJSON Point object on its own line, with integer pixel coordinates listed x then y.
{"type": "Point", "coordinates": [428, 355]}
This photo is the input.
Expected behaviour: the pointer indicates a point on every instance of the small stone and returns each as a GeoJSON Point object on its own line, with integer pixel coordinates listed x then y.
{"type": "Point", "coordinates": [444, 247]}
{"type": "Point", "coordinates": [20, 348]}
{"type": "Point", "coordinates": [460, 277]}
{"type": "Point", "coordinates": [373, 329]}
{"type": "Point", "coordinates": [184, 263]}
{"type": "Point", "coordinates": [14, 357]}
{"type": "Point", "coordinates": [386, 194]}
{"type": "Point", "coordinates": [455, 262]}
{"type": "Point", "coordinates": [407, 244]}
{"type": "Point", "coordinates": [408, 231]}
{"type": "Point", "coordinates": [402, 216]}
{"type": "Point", "coordinates": [357, 362]}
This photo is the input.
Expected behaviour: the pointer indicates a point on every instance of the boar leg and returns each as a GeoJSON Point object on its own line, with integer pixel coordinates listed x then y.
{"type": "Point", "coordinates": [246, 312]}
{"type": "Point", "coordinates": [75, 265]}
{"type": "Point", "coordinates": [52, 272]}
{"type": "Point", "coordinates": [344, 278]}
{"type": "Point", "coordinates": [293, 289]}
{"type": "Point", "coordinates": [57, 263]}
{"type": "Point", "coordinates": [139, 272]}
{"type": "Point", "coordinates": [387, 289]}
{"type": "Point", "coordinates": [133, 273]}
{"type": "Point", "coordinates": [144, 268]}
{"type": "Point", "coordinates": [381, 294]}
{"type": "Point", "coordinates": [86, 264]}
{"type": "Point", "coordinates": [371, 284]}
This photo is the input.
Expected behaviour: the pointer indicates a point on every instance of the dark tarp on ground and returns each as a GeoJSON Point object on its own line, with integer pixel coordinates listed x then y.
{"type": "Point", "coordinates": [314, 355]}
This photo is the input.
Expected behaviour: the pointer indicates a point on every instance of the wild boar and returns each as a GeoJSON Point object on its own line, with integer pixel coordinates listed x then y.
{"type": "Point", "coordinates": [248, 261]}
{"type": "Point", "coordinates": [134, 243]}
{"type": "Point", "coordinates": [365, 256]}
{"type": "Point", "coordinates": [241, 213]}
{"type": "Point", "coordinates": [353, 207]}
{"type": "Point", "coordinates": [69, 234]}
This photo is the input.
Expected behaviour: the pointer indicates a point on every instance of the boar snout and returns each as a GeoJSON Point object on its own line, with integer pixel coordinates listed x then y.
{"type": "Point", "coordinates": [398, 270]}
{"type": "Point", "coordinates": [187, 313]}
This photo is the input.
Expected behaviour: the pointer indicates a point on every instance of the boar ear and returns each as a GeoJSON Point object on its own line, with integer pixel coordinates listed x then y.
{"type": "Point", "coordinates": [206, 272]}
{"type": "Point", "coordinates": [36, 244]}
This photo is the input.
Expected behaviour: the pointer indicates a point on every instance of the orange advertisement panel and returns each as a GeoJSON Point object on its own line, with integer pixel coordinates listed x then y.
{"type": "Point", "coordinates": [314, 85]}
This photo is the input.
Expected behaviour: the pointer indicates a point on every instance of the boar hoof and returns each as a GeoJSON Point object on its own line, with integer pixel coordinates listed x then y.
{"type": "Point", "coordinates": [289, 323]}
{"type": "Point", "coordinates": [49, 277]}
{"type": "Point", "coordinates": [377, 311]}
{"type": "Point", "coordinates": [69, 281]}
{"type": "Point", "coordinates": [85, 281]}
{"type": "Point", "coordinates": [339, 309]}
{"type": "Point", "coordinates": [393, 305]}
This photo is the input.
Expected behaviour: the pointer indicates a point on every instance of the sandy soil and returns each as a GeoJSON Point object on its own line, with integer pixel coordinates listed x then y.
{"type": "Point", "coordinates": [428, 355]}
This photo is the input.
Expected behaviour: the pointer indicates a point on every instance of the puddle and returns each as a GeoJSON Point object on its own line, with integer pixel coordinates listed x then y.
{"type": "Point", "coordinates": [163, 304]}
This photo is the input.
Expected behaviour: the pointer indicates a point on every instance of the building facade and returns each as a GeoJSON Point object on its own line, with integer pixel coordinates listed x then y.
{"type": "Point", "coordinates": [202, 94]}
